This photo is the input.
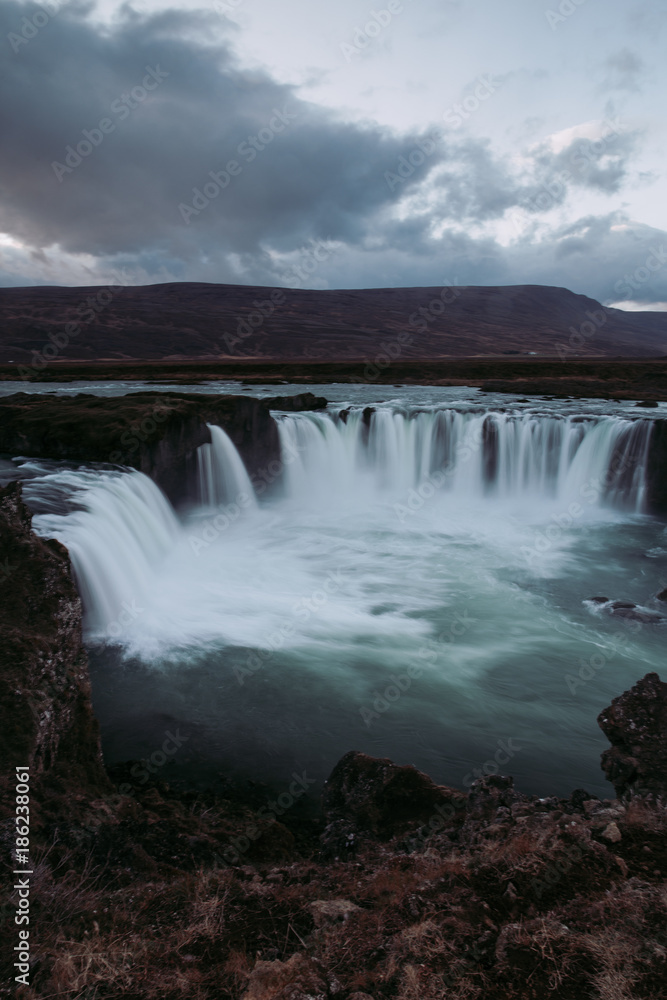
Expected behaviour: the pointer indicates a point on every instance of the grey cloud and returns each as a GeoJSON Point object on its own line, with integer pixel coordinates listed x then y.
{"type": "Point", "coordinates": [623, 71]}
{"type": "Point", "coordinates": [141, 193]}
{"type": "Point", "coordinates": [478, 187]}
{"type": "Point", "coordinates": [316, 177]}
{"type": "Point", "coordinates": [604, 257]}
{"type": "Point", "coordinates": [598, 165]}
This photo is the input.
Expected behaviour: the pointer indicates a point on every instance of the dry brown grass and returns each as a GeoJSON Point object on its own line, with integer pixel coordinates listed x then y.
{"type": "Point", "coordinates": [646, 817]}
{"type": "Point", "coordinates": [437, 925]}
{"type": "Point", "coordinates": [616, 953]}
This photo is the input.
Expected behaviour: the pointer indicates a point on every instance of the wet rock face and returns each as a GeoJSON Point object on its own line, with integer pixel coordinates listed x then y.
{"type": "Point", "coordinates": [296, 404]}
{"type": "Point", "coordinates": [628, 610]}
{"type": "Point", "coordinates": [46, 719]}
{"type": "Point", "coordinates": [368, 797]}
{"type": "Point", "coordinates": [636, 726]}
{"type": "Point", "coordinates": [656, 469]}
{"type": "Point", "coordinates": [156, 433]}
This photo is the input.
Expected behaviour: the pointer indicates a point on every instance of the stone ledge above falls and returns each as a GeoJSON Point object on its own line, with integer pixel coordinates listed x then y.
{"type": "Point", "coordinates": [157, 433]}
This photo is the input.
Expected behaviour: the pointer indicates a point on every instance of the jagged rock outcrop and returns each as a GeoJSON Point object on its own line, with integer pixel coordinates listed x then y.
{"type": "Point", "coordinates": [636, 725]}
{"type": "Point", "coordinates": [156, 433]}
{"type": "Point", "coordinates": [46, 715]}
{"type": "Point", "coordinates": [628, 610]}
{"type": "Point", "coordinates": [296, 404]}
{"type": "Point", "coordinates": [373, 798]}
{"type": "Point", "coordinates": [656, 469]}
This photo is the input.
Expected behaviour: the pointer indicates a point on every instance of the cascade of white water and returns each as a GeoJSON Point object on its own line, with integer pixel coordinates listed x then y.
{"type": "Point", "coordinates": [124, 526]}
{"type": "Point", "coordinates": [500, 454]}
{"type": "Point", "coordinates": [116, 542]}
{"type": "Point", "coordinates": [222, 474]}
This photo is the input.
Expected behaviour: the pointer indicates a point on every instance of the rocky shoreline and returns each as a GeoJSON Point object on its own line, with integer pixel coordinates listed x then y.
{"type": "Point", "coordinates": [400, 889]}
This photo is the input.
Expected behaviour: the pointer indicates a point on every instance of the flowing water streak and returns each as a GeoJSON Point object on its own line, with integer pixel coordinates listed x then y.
{"type": "Point", "coordinates": [116, 542]}
{"type": "Point", "coordinates": [480, 454]}
{"type": "Point", "coordinates": [121, 538]}
{"type": "Point", "coordinates": [222, 474]}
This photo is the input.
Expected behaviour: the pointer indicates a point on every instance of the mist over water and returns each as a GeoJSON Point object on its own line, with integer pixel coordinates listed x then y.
{"type": "Point", "coordinates": [412, 585]}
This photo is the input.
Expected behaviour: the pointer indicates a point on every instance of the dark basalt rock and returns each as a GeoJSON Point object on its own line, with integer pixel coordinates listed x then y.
{"type": "Point", "coordinates": [656, 469]}
{"type": "Point", "coordinates": [46, 715]}
{"type": "Point", "coordinates": [373, 798]}
{"type": "Point", "coordinates": [629, 610]}
{"type": "Point", "coordinates": [636, 726]}
{"type": "Point", "coordinates": [296, 404]}
{"type": "Point", "coordinates": [156, 433]}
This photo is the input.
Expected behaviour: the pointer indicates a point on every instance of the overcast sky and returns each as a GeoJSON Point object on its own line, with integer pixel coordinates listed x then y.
{"type": "Point", "coordinates": [306, 143]}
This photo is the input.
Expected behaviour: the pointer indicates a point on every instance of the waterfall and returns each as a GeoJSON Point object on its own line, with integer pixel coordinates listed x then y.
{"type": "Point", "coordinates": [472, 454]}
{"type": "Point", "coordinates": [116, 541]}
{"type": "Point", "coordinates": [221, 472]}
{"type": "Point", "coordinates": [124, 527]}
{"type": "Point", "coordinates": [123, 535]}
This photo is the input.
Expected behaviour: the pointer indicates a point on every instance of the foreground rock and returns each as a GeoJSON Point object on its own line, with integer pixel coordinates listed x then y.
{"type": "Point", "coordinates": [636, 726]}
{"type": "Point", "coordinates": [46, 717]}
{"type": "Point", "coordinates": [367, 798]}
{"type": "Point", "coordinates": [628, 610]}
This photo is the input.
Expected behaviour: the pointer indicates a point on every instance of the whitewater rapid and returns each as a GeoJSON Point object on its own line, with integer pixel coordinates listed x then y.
{"type": "Point", "coordinates": [462, 541]}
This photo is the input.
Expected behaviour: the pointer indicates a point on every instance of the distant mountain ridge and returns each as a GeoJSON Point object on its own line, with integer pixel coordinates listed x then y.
{"type": "Point", "coordinates": [189, 320]}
